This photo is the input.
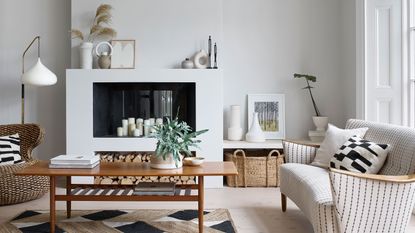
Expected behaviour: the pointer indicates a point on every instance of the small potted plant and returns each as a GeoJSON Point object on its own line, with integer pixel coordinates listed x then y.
{"type": "Point", "coordinates": [174, 141]}
{"type": "Point", "coordinates": [99, 30]}
{"type": "Point", "coordinates": [319, 121]}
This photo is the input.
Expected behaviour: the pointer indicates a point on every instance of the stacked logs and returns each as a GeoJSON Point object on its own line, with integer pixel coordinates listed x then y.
{"type": "Point", "coordinates": [135, 157]}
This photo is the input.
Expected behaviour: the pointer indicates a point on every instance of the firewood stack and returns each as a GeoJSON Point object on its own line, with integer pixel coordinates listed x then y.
{"type": "Point", "coordinates": [135, 157]}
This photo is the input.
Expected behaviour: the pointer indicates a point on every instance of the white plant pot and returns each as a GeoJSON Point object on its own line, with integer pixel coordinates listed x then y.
{"type": "Point", "coordinates": [85, 52]}
{"type": "Point", "coordinates": [320, 123]}
{"type": "Point", "coordinates": [255, 133]}
{"type": "Point", "coordinates": [158, 162]}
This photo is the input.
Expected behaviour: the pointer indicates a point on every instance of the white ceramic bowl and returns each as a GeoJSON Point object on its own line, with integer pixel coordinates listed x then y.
{"type": "Point", "coordinates": [193, 161]}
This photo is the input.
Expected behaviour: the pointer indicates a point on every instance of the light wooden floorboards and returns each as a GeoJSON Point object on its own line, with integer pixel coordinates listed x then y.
{"type": "Point", "coordinates": [254, 210]}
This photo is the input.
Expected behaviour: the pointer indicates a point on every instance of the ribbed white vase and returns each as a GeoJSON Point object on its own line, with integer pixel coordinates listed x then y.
{"type": "Point", "coordinates": [255, 133]}
{"type": "Point", "coordinates": [85, 53]}
{"type": "Point", "coordinates": [235, 132]}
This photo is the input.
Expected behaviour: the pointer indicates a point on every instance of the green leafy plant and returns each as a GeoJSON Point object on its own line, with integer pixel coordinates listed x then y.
{"type": "Point", "coordinates": [175, 137]}
{"type": "Point", "coordinates": [313, 79]}
{"type": "Point", "coordinates": [99, 27]}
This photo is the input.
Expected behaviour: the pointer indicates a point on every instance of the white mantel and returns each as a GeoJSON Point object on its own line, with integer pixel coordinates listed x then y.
{"type": "Point", "coordinates": [79, 111]}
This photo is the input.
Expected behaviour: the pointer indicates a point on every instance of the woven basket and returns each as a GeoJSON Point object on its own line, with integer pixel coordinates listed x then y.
{"type": "Point", "coordinates": [255, 171]}
{"type": "Point", "coordinates": [16, 189]}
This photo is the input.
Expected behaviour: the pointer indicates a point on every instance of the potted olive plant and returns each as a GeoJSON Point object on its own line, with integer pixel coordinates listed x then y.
{"type": "Point", "coordinates": [319, 121]}
{"type": "Point", "coordinates": [175, 138]}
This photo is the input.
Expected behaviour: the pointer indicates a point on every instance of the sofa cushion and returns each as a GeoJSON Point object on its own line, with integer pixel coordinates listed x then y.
{"type": "Point", "coordinates": [10, 150]}
{"type": "Point", "coordinates": [360, 155]}
{"type": "Point", "coordinates": [335, 138]}
{"type": "Point", "coordinates": [308, 186]}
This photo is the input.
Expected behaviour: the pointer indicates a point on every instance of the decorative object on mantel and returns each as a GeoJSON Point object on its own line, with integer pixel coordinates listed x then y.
{"type": "Point", "coordinates": [255, 133]}
{"type": "Point", "coordinates": [38, 75]}
{"type": "Point", "coordinates": [235, 132]}
{"type": "Point", "coordinates": [210, 52]}
{"type": "Point", "coordinates": [271, 113]}
{"type": "Point", "coordinates": [216, 57]}
{"type": "Point", "coordinates": [201, 59]}
{"type": "Point", "coordinates": [97, 31]}
{"type": "Point", "coordinates": [174, 138]}
{"type": "Point", "coordinates": [104, 58]}
{"type": "Point", "coordinates": [123, 56]}
{"type": "Point", "coordinates": [320, 122]}
{"type": "Point", "coordinates": [187, 64]}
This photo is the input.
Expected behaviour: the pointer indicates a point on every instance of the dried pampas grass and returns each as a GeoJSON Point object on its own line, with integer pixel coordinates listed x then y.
{"type": "Point", "coordinates": [76, 34]}
{"type": "Point", "coordinates": [97, 30]}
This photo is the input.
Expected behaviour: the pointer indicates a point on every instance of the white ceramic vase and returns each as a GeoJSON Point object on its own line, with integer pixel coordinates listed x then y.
{"type": "Point", "coordinates": [201, 60]}
{"type": "Point", "coordinates": [255, 133]}
{"type": "Point", "coordinates": [85, 52]}
{"type": "Point", "coordinates": [320, 123]}
{"type": "Point", "coordinates": [235, 132]}
{"type": "Point", "coordinates": [158, 162]}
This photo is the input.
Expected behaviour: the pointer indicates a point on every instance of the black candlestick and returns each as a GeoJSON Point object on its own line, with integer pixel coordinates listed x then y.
{"type": "Point", "coordinates": [210, 52]}
{"type": "Point", "coordinates": [216, 57]}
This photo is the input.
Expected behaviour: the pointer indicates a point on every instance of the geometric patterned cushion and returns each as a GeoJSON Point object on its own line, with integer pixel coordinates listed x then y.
{"type": "Point", "coordinates": [10, 150]}
{"type": "Point", "coordinates": [360, 155]}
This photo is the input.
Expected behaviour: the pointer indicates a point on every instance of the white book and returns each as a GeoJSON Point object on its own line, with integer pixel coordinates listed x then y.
{"type": "Point", "coordinates": [74, 165]}
{"type": "Point", "coordinates": [75, 159]}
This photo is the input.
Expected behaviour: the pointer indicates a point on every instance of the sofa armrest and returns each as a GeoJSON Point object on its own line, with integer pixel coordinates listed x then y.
{"type": "Point", "coordinates": [368, 202]}
{"type": "Point", "coordinates": [298, 153]}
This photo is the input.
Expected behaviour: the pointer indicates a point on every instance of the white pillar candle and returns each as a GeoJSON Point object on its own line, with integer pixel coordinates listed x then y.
{"type": "Point", "coordinates": [137, 133]}
{"type": "Point", "coordinates": [147, 127]}
{"type": "Point", "coordinates": [119, 132]}
{"type": "Point", "coordinates": [124, 122]}
{"type": "Point", "coordinates": [131, 128]}
{"type": "Point", "coordinates": [159, 121]}
{"type": "Point", "coordinates": [131, 120]}
{"type": "Point", "coordinates": [152, 121]}
{"type": "Point", "coordinates": [139, 120]}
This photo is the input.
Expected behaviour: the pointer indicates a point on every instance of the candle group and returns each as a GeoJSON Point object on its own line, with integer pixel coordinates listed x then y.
{"type": "Point", "coordinates": [139, 127]}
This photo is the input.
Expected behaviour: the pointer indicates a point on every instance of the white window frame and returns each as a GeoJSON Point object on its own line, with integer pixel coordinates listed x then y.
{"type": "Point", "coordinates": [408, 22]}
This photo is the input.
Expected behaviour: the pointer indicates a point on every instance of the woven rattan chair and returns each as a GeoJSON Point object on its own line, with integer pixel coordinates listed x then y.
{"type": "Point", "coordinates": [16, 189]}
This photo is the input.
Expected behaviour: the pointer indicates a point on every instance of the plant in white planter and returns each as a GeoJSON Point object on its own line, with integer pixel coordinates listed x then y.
{"type": "Point", "coordinates": [175, 138]}
{"type": "Point", "coordinates": [99, 30]}
{"type": "Point", "coordinates": [319, 121]}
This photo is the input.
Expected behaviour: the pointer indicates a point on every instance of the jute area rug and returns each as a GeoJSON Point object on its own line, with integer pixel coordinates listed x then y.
{"type": "Point", "coordinates": [128, 221]}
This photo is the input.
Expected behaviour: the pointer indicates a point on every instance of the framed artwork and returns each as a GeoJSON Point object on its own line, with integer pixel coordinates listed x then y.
{"type": "Point", "coordinates": [123, 55]}
{"type": "Point", "coordinates": [271, 113]}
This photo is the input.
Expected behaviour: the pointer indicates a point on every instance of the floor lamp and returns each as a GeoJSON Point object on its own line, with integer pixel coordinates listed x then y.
{"type": "Point", "coordinates": [38, 75]}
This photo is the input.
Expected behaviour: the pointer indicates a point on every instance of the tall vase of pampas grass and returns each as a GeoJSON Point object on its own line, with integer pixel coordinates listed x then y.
{"type": "Point", "coordinates": [98, 31]}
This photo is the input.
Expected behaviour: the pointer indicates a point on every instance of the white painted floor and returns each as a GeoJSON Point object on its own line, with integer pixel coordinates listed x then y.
{"type": "Point", "coordinates": [254, 210]}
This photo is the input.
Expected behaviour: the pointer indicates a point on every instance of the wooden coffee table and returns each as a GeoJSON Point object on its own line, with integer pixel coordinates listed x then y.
{"type": "Point", "coordinates": [84, 192]}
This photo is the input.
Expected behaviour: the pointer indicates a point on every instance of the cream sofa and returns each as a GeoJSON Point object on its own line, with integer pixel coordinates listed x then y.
{"type": "Point", "coordinates": [336, 201]}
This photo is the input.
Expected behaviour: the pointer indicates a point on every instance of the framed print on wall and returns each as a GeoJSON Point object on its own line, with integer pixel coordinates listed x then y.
{"type": "Point", "coordinates": [123, 55]}
{"type": "Point", "coordinates": [271, 113]}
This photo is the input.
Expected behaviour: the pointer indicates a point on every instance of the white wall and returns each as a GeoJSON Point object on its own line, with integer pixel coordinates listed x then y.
{"type": "Point", "coordinates": [267, 41]}
{"type": "Point", "coordinates": [20, 22]}
{"type": "Point", "coordinates": [263, 43]}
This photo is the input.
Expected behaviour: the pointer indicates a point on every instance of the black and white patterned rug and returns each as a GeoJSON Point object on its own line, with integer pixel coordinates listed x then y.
{"type": "Point", "coordinates": [109, 221]}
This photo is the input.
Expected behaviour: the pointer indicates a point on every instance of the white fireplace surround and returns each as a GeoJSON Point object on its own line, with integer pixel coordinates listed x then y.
{"type": "Point", "coordinates": [79, 112]}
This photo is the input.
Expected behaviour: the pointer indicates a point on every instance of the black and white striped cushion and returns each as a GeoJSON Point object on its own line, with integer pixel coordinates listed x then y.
{"type": "Point", "coordinates": [10, 150]}
{"type": "Point", "coordinates": [360, 155]}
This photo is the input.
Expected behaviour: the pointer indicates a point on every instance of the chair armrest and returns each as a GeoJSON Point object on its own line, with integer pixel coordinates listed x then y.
{"type": "Point", "coordinates": [370, 203]}
{"type": "Point", "coordinates": [298, 153]}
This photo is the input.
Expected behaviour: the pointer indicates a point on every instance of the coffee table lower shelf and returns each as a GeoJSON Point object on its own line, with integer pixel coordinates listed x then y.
{"type": "Point", "coordinates": [85, 192]}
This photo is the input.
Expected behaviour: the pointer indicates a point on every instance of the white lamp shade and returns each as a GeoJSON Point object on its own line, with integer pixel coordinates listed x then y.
{"type": "Point", "coordinates": [39, 75]}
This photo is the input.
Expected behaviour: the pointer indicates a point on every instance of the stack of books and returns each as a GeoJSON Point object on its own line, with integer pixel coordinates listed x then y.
{"type": "Point", "coordinates": [74, 161]}
{"type": "Point", "coordinates": [156, 188]}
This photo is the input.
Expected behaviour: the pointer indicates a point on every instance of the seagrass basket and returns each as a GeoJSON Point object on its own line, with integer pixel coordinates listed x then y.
{"type": "Point", "coordinates": [255, 171]}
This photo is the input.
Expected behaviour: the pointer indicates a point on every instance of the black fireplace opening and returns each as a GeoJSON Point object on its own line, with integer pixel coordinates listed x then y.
{"type": "Point", "coordinates": [113, 102]}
